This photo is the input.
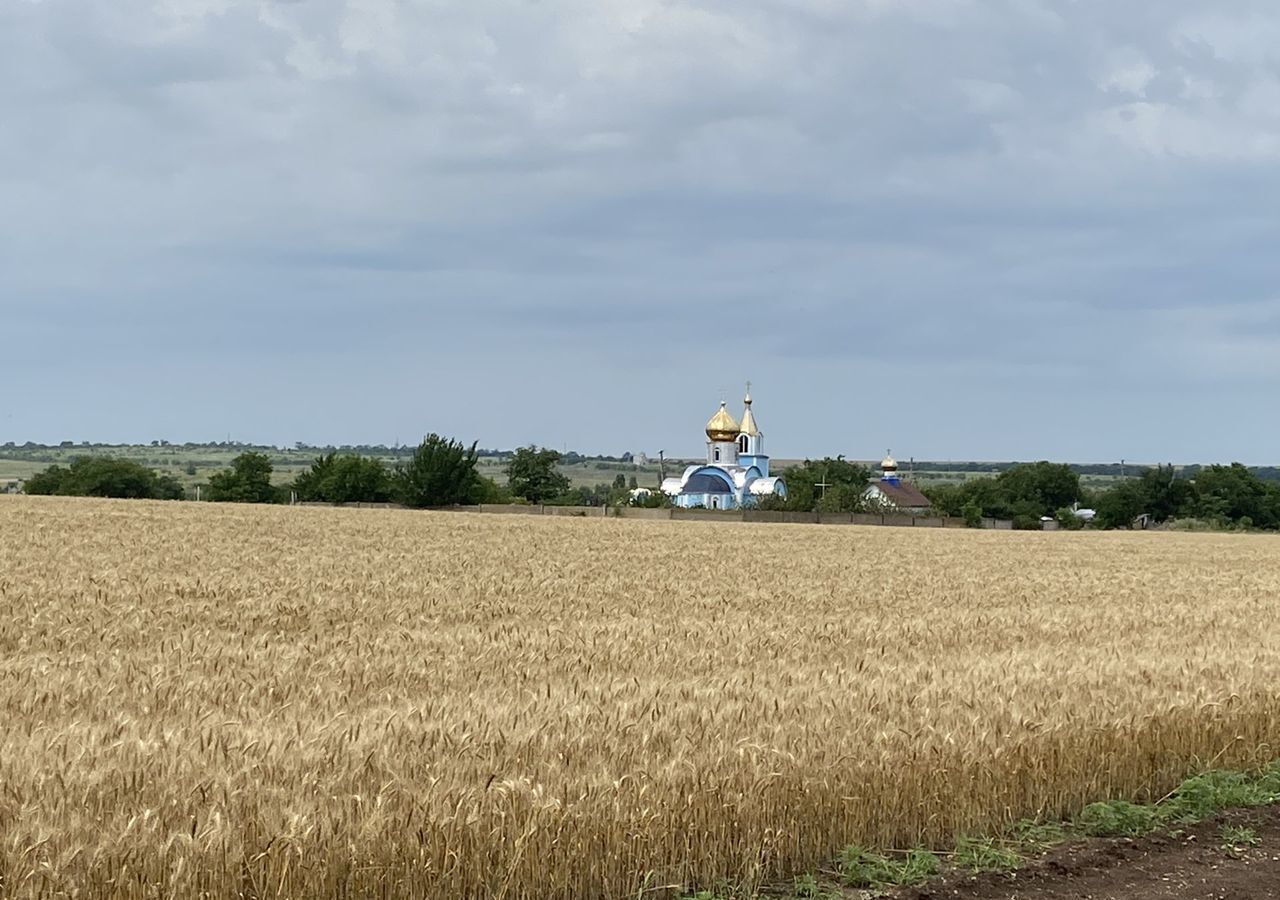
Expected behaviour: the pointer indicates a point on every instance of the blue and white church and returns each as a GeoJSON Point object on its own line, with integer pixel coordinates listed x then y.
{"type": "Point", "coordinates": [736, 473]}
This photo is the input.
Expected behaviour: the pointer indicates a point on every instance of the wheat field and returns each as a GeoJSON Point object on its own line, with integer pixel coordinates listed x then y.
{"type": "Point", "coordinates": [204, 700]}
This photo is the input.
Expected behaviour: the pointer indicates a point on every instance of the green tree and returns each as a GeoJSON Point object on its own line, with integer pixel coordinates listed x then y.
{"type": "Point", "coordinates": [1118, 507]}
{"type": "Point", "coordinates": [344, 479]}
{"type": "Point", "coordinates": [489, 491]}
{"type": "Point", "coordinates": [1166, 496]}
{"type": "Point", "coordinates": [441, 472]}
{"type": "Point", "coordinates": [845, 484]}
{"type": "Point", "coordinates": [947, 499]}
{"type": "Point", "coordinates": [532, 474]}
{"type": "Point", "coordinates": [105, 476]}
{"type": "Point", "coordinates": [1024, 493]}
{"type": "Point", "coordinates": [1042, 486]}
{"type": "Point", "coordinates": [247, 481]}
{"type": "Point", "coordinates": [653, 500]}
{"type": "Point", "coordinates": [168, 488]}
{"type": "Point", "coordinates": [52, 481]}
{"type": "Point", "coordinates": [1233, 493]}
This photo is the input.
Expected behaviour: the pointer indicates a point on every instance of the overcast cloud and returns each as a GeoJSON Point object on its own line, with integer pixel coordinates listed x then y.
{"type": "Point", "coordinates": [991, 229]}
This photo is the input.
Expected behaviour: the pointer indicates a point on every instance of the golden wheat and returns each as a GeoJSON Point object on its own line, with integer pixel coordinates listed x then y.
{"type": "Point", "coordinates": [267, 702]}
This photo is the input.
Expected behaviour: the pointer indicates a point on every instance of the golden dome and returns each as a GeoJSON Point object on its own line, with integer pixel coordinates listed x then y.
{"type": "Point", "coordinates": [749, 426]}
{"type": "Point", "coordinates": [723, 427]}
{"type": "Point", "coordinates": [889, 464]}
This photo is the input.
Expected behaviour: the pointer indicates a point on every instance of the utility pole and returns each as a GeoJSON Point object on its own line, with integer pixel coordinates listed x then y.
{"type": "Point", "coordinates": [662, 467]}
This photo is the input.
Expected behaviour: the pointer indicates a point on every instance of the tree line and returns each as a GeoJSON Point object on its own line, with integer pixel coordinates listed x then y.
{"type": "Point", "coordinates": [444, 472]}
{"type": "Point", "coordinates": [439, 472]}
{"type": "Point", "coordinates": [1216, 496]}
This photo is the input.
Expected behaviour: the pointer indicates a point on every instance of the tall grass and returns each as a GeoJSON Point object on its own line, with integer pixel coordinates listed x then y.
{"type": "Point", "coordinates": [268, 702]}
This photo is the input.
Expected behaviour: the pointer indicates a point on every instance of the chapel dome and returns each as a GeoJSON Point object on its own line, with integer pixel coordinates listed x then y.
{"type": "Point", "coordinates": [889, 464]}
{"type": "Point", "coordinates": [723, 427]}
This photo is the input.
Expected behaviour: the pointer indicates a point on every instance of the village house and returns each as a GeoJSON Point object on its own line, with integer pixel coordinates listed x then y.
{"type": "Point", "coordinates": [892, 494]}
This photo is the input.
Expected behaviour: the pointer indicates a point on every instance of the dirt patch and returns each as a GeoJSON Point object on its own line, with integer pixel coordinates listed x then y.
{"type": "Point", "coordinates": [1191, 864]}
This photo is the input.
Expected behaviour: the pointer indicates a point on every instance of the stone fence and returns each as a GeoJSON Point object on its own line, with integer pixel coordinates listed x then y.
{"type": "Point", "coordinates": [735, 515]}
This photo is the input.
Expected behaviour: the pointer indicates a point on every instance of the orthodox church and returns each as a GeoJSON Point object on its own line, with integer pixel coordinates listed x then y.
{"type": "Point", "coordinates": [736, 473]}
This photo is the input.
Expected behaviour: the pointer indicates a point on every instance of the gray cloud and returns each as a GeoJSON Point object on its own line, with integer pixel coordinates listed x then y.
{"type": "Point", "coordinates": [1000, 229]}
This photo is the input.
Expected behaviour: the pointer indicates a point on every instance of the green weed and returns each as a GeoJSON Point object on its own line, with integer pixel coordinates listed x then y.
{"type": "Point", "coordinates": [1233, 836]}
{"type": "Point", "coordinates": [984, 855]}
{"type": "Point", "coordinates": [1036, 836]}
{"type": "Point", "coordinates": [1204, 795]}
{"type": "Point", "coordinates": [1117, 818]}
{"type": "Point", "coordinates": [806, 886]}
{"type": "Point", "coordinates": [861, 867]}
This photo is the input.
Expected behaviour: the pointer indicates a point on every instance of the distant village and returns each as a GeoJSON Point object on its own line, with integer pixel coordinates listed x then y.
{"type": "Point", "coordinates": [735, 474]}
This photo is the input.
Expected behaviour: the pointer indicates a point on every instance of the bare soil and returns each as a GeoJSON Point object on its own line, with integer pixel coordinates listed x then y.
{"type": "Point", "coordinates": [1191, 865]}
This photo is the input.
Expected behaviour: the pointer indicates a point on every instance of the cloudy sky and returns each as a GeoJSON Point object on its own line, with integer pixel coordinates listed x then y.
{"type": "Point", "coordinates": [988, 229]}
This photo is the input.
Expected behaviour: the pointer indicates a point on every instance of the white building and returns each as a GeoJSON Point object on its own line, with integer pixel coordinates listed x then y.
{"type": "Point", "coordinates": [736, 473]}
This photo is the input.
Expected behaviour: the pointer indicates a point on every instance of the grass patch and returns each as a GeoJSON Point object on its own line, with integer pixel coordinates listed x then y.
{"type": "Point", "coordinates": [860, 867]}
{"type": "Point", "coordinates": [984, 855]}
{"type": "Point", "coordinates": [1117, 818]}
{"type": "Point", "coordinates": [1036, 837]}
{"type": "Point", "coordinates": [1205, 795]}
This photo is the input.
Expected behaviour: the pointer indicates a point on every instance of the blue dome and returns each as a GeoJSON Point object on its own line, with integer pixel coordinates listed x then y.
{"type": "Point", "coordinates": [706, 483]}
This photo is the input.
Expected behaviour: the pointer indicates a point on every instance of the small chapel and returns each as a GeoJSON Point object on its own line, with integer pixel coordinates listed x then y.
{"type": "Point", "coordinates": [892, 494]}
{"type": "Point", "coordinates": [736, 473]}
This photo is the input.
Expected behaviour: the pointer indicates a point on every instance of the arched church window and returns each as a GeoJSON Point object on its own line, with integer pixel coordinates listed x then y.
{"type": "Point", "coordinates": [742, 443]}
{"type": "Point", "coordinates": [716, 454]}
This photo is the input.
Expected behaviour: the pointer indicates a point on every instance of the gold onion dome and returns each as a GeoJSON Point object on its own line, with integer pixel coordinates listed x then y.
{"type": "Point", "coordinates": [889, 464]}
{"type": "Point", "coordinates": [749, 426]}
{"type": "Point", "coordinates": [723, 426]}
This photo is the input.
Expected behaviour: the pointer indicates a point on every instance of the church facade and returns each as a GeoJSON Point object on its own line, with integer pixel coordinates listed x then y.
{"type": "Point", "coordinates": [736, 473]}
